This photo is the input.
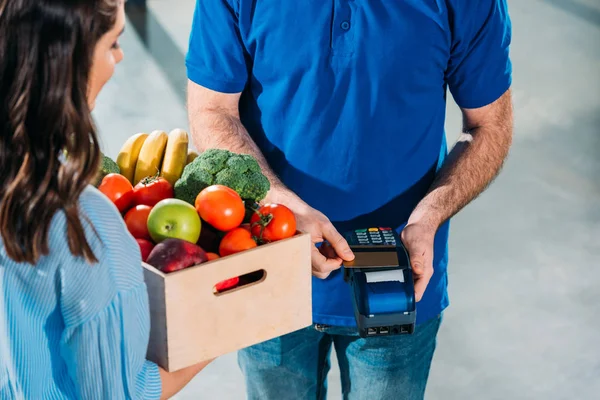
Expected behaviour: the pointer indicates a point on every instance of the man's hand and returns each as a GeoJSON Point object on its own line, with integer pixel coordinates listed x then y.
{"type": "Point", "coordinates": [315, 223]}
{"type": "Point", "coordinates": [215, 123]}
{"type": "Point", "coordinates": [418, 239]}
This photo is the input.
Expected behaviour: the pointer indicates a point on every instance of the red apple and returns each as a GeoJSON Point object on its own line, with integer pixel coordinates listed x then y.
{"type": "Point", "coordinates": [176, 254]}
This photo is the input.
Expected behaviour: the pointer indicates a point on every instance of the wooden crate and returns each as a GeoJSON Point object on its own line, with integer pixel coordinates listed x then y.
{"type": "Point", "coordinates": [190, 323]}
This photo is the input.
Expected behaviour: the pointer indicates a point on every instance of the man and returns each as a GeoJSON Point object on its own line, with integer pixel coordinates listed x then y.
{"type": "Point", "coordinates": [343, 103]}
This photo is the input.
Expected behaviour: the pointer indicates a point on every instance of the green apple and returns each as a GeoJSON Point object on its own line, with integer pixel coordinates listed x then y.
{"type": "Point", "coordinates": [174, 218]}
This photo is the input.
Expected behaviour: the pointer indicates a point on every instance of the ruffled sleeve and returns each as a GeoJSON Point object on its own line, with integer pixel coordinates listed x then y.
{"type": "Point", "coordinates": [105, 310]}
{"type": "Point", "coordinates": [105, 355]}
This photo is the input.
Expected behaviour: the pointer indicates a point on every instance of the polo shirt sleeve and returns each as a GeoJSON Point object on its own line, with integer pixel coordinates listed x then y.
{"type": "Point", "coordinates": [479, 69]}
{"type": "Point", "coordinates": [215, 57]}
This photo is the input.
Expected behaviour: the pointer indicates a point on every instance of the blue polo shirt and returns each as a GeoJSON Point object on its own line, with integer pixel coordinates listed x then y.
{"type": "Point", "coordinates": [347, 101]}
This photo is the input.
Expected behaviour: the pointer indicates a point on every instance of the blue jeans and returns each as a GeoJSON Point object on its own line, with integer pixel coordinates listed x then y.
{"type": "Point", "coordinates": [295, 366]}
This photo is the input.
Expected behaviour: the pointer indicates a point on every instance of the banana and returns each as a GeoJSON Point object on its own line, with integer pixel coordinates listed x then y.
{"type": "Point", "coordinates": [191, 157]}
{"type": "Point", "coordinates": [128, 156]}
{"type": "Point", "coordinates": [175, 156]}
{"type": "Point", "coordinates": [151, 156]}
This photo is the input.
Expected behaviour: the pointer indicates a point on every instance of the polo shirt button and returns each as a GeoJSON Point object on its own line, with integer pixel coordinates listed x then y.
{"type": "Point", "coordinates": [345, 25]}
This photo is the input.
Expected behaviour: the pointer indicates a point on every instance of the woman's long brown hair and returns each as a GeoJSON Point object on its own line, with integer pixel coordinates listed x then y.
{"type": "Point", "coordinates": [46, 53]}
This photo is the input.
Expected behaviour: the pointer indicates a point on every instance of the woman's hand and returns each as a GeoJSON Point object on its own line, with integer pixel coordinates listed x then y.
{"type": "Point", "coordinates": [173, 382]}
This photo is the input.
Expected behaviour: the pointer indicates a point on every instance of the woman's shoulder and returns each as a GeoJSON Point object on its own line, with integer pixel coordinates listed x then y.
{"type": "Point", "coordinates": [108, 235]}
{"type": "Point", "coordinates": [104, 227]}
{"type": "Point", "coordinates": [97, 206]}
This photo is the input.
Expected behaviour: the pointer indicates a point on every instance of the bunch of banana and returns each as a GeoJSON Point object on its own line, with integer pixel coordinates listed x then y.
{"type": "Point", "coordinates": [157, 153]}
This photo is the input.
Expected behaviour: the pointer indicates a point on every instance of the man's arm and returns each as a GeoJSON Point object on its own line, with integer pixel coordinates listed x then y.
{"type": "Point", "coordinates": [471, 166]}
{"type": "Point", "coordinates": [473, 163]}
{"type": "Point", "coordinates": [215, 123]}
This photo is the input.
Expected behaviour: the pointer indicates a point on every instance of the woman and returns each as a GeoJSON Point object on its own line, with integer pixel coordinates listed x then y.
{"type": "Point", "coordinates": [74, 319]}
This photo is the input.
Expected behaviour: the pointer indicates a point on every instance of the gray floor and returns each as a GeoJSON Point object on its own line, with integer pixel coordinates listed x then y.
{"type": "Point", "coordinates": [524, 321]}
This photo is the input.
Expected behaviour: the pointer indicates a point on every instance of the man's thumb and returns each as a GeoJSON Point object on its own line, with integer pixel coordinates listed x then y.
{"type": "Point", "coordinates": [417, 261]}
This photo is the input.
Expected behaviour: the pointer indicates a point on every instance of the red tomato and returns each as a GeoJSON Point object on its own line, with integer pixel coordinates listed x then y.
{"type": "Point", "coordinates": [118, 189]}
{"type": "Point", "coordinates": [125, 202]}
{"type": "Point", "coordinates": [227, 284]}
{"type": "Point", "coordinates": [273, 222]}
{"type": "Point", "coordinates": [151, 190]}
{"type": "Point", "coordinates": [136, 220]}
{"type": "Point", "coordinates": [221, 207]}
{"type": "Point", "coordinates": [212, 256]}
{"type": "Point", "coordinates": [146, 247]}
{"type": "Point", "coordinates": [235, 241]}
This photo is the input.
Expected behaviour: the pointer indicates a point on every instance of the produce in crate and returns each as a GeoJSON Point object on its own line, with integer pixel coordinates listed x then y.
{"type": "Point", "coordinates": [146, 247]}
{"type": "Point", "coordinates": [221, 207]}
{"type": "Point", "coordinates": [119, 190]}
{"type": "Point", "coordinates": [176, 154]}
{"type": "Point", "coordinates": [273, 222]}
{"type": "Point", "coordinates": [236, 241]}
{"type": "Point", "coordinates": [209, 238]}
{"type": "Point", "coordinates": [173, 218]}
{"type": "Point", "coordinates": [151, 156]}
{"type": "Point", "coordinates": [186, 209]}
{"type": "Point", "coordinates": [151, 190]}
{"type": "Point", "coordinates": [107, 166]}
{"type": "Point", "coordinates": [129, 154]}
{"type": "Point", "coordinates": [156, 154]}
{"type": "Point", "coordinates": [136, 220]}
{"type": "Point", "coordinates": [239, 172]}
{"type": "Point", "coordinates": [173, 255]}
{"type": "Point", "coordinates": [192, 155]}
{"type": "Point", "coordinates": [227, 284]}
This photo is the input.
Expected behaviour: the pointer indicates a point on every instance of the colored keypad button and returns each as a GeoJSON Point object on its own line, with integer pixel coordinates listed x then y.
{"type": "Point", "coordinates": [360, 230]}
{"type": "Point", "coordinates": [373, 230]}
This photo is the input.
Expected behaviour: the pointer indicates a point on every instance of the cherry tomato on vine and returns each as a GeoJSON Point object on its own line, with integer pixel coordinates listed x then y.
{"type": "Point", "coordinates": [151, 190]}
{"type": "Point", "coordinates": [273, 222]}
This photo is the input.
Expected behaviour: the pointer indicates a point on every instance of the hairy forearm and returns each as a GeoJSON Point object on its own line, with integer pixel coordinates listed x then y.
{"type": "Point", "coordinates": [471, 166]}
{"type": "Point", "coordinates": [217, 128]}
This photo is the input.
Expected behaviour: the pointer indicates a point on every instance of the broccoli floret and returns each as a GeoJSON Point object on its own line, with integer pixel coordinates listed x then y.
{"type": "Point", "coordinates": [238, 171]}
{"type": "Point", "coordinates": [256, 187]}
{"type": "Point", "coordinates": [252, 163]}
{"type": "Point", "coordinates": [193, 180]}
{"type": "Point", "coordinates": [107, 166]}
{"type": "Point", "coordinates": [230, 178]}
{"type": "Point", "coordinates": [242, 163]}
{"type": "Point", "coordinates": [237, 164]}
{"type": "Point", "coordinates": [213, 160]}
